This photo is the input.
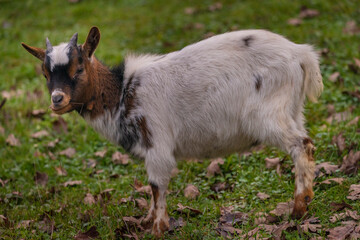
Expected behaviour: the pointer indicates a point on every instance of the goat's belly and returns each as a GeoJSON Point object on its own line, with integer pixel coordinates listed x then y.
{"type": "Point", "coordinates": [210, 147]}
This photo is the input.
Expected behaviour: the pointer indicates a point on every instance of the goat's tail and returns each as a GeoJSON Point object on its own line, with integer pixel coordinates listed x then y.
{"type": "Point", "coordinates": [313, 84]}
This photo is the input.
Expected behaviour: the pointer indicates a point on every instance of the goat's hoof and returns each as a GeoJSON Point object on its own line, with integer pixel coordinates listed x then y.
{"type": "Point", "coordinates": [159, 227]}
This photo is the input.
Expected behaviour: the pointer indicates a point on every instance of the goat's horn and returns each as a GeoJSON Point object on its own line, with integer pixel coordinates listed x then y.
{"type": "Point", "coordinates": [73, 40]}
{"type": "Point", "coordinates": [49, 47]}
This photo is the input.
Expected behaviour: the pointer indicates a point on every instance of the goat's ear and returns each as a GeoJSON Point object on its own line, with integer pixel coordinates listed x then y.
{"type": "Point", "coordinates": [91, 42]}
{"type": "Point", "coordinates": [37, 52]}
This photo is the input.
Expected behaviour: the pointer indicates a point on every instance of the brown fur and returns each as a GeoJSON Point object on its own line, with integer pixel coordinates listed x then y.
{"type": "Point", "coordinates": [146, 135]}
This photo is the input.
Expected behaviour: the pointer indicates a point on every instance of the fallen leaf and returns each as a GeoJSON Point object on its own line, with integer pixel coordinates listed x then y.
{"type": "Point", "coordinates": [138, 186]}
{"type": "Point", "coordinates": [308, 13]}
{"type": "Point", "coordinates": [311, 225]}
{"type": "Point", "coordinates": [3, 182]}
{"type": "Point", "coordinates": [60, 171]}
{"type": "Point", "coordinates": [350, 164]}
{"type": "Point", "coordinates": [142, 203]}
{"type": "Point", "coordinates": [339, 206]}
{"type": "Point", "coordinates": [174, 172]}
{"type": "Point", "coordinates": [294, 21]}
{"type": "Point", "coordinates": [40, 134]}
{"type": "Point", "coordinates": [120, 158]}
{"type": "Point", "coordinates": [355, 121]}
{"type": "Point", "coordinates": [12, 140]}
{"type": "Point", "coordinates": [220, 186]}
{"type": "Point", "coordinates": [41, 178]}
{"type": "Point", "coordinates": [355, 94]}
{"type": "Point", "coordinates": [181, 209]}
{"type": "Point", "coordinates": [46, 225]}
{"type": "Point", "coordinates": [333, 77]}
{"type": "Point", "coordinates": [283, 208]}
{"type": "Point", "coordinates": [175, 224]}
{"type": "Point", "coordinates": [59, 125]}
{"type": "Point", "coordinates": [262, 196]}
{"type": "Point", "coordinates": [327, 166]}
{"type": "Point", "coordinates": [190, 11]}
{"type": "Point", "coordinates": [228, 232]}
{"type": "Point", "coordinates": [341, 232]}
{"type": "Point", "coordinates": [89, 199]}
{"type": "Point", "coordinates": [214, 167]}
{"type": "Point", "coordinates": [92, 233]}
{"type": "Point", "coordinates": [216, 6]}
{"type": "Point", "coordinates": [354, 192]}
{"type": "Point", "coordinates": [273, 163]}
{"type": "Point", "coordinates": [37, 113]}
{"type": "Point", "coordinates": [100, 154]}
{"type": "Point", "coordinates": [351, 28]}
{"type": "Point", "coordinates": [277, 232]}
{"type": "Point", "coordinates": [234, 218]}
{"type": "Point", "coordinates": [339, 117]}
{"type": "Point", "coordinates": [24, 224]}
{"type": "Point", "coordinates": [91, 163]}
{"type": "Point", "coordinates": [69, 152]}
{"type": "Point", "coordinates": [72, 183]}
{"type": "Point", "coordinates": [191, 191]}
{"type": "Point", "coordinates": [339, 140]}
{"type": "Point", "coordinates": [52, 144]}
{"type": "Point", "coordinates": [331, 180]}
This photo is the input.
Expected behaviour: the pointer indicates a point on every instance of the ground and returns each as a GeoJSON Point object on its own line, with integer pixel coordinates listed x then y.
{"type": "Point", "coordinates": [35, 202]}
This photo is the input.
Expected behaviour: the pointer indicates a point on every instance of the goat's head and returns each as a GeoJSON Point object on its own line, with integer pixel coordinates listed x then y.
{"type": "Point", "coordinates": [68, 70]}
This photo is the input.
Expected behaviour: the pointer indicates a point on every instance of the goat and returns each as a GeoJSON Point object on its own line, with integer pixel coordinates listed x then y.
{"type": "Point", "coordinates": [210, 99]}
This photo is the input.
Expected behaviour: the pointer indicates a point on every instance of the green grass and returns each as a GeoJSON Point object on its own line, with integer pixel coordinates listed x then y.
{"type": "Point", "coordinates": [157, 27]}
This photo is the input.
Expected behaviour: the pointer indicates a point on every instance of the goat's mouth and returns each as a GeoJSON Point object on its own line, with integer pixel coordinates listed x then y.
{"type": "Point", "coordinates": [61, 109]}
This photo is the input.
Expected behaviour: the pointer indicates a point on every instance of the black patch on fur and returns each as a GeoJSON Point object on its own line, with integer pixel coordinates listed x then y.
{"type": "Point", "coordinates": [255, 143]}
{"type": "Point", "coordinates": [306, 141]}
{"type": "Point", "coordinates": [118, 73]}
{"type": "Point", "coordinates": [247, 40]}
{"type": "Point", "coordinates": [258, 82]}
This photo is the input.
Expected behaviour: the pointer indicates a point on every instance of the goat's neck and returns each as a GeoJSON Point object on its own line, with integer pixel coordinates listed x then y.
{"type": "Point", "coordinates": [104, 90]}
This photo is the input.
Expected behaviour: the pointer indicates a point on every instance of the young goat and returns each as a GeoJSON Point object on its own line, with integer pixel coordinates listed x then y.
{"type": "Point", "coordinates": [213, 98]}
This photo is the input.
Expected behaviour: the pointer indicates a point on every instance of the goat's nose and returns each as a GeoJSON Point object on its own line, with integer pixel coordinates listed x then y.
{"type": "Point", "coordinates": [57, 98]}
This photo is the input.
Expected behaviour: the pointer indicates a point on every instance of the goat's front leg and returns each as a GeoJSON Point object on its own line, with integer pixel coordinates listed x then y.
{"type": "Point", "coordinates": [159, 172]}
{"type": "Point", "coordinates": [303, 156]}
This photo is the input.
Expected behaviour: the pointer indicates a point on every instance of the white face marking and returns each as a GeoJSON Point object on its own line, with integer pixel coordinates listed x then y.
{"type": "Point", "coordinates": [59, 55]}
{"type": "Point", "coordinates": [57, 91]}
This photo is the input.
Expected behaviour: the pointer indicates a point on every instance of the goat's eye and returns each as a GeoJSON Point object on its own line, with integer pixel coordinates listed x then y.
{"type": "Point", "coordinates": [45, 76]}
{"type": "Point", "coordinates": [79, 71]}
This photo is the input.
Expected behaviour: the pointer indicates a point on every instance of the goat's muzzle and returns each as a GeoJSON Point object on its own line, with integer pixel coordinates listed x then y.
{"type": "Point", "coordinates": [60, 102]}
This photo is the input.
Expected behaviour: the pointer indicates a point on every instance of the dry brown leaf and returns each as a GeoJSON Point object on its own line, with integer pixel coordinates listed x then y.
{"type": "Point", "coordinates": [41, 178]}
{"type": "Point", "coordinates": [331, 180]}
{"type": "Point", "coordinates": [308, 13]}
{"type": "Point", "coordinates": [339, 140]}
{"type": "Point", "coordinates": [228, 232]}
{"type": "Point", "coordinates": [351, 28]}
{"type": "Point", "coordinates": [341, 232]}
{"type": "Point", "coordinates": [175, 224]}
{"type": "Point", "coordinates": [89, 199]}
{"type": "Point", "coordinates": [354, 192]}
{"type": "Point", "coordinates": [262, 196]}
{"type": "Point", "coordinates": [92, 233]}
{"type": "Point", "coordinates": [294, 21]}
{"type": "Point", "coordinates": [350, 164]}
{"type": "Point", "coordinates": [311, 225]}
{"type": "Point", "coordinates": [12, 93]}
{"type": "Point", "coordinates": [59, 125]}
{"type": "Point", "coordinates": [181, 209]}
{"type": "Point", "coordinates": [12, 140]}
{"type": "Point", "coordinates": [191, 191]}
{"type": "Point", "coordinates": [190, 10]}
{"type": "Point", "coordinates": [220, 186]}
{"type": "Point", "coordinates": [72, 183]}
{"type": "Point", "coordinates": [91, 163]}
{"type": "Point", "coordinates": [37, 113]}
{"type": "Point", "coordinates": [216, 6]}
{"type": "Point", "coordinates": [334, 77]}
{"type": "Point", "coordinates": [60, 171]}
{"type": "Point", "coordinates": [283, 208]}
{"type": "Point", "coordinates": [214, 167]}
{"type": "Point", "coordinates": [355, 94]}
{"type": "Point", "coordinates": [174, 172]}
{"type": "Point", "coordinates": [234, 218]}
{"type": "Point", "coordinates": [272, 162]}
{"type": "Point", "coordinates": [52, 144]}
{"type": "Point", "coordinates": [277, 232]}
{"type": "Point", "coordinates": [24, 224]}
{"type": "Point", "coordinates": [339, 206]}
{"type": "Point", "coordinates": [40, 134]}
{"type": "Point", "coordinates": [355, 121]}
{"type": "Point", "coordinates": [142, 203]}
{"type": "Point", "coordinates": [101, 154]}
{"type": "Point", "coordinates": [120, 158]}
{"type": "Point", "coordinates": [339, 117]}
{"type": "Point", "coordinates": [138, 186]}
{"type": "Point", "coordinates": [327, 166]}
{"type": "Point", "coordinates": [3, 182]}
{"type": "Point", "coordinates": [69, 152]}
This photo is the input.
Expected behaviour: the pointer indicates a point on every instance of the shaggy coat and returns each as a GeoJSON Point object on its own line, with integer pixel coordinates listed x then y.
{"type": "Point", "coordinates": [210, 99]}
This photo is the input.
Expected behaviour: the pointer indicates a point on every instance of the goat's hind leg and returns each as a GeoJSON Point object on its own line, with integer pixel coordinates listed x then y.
{"type": "Point", "coordinates": [302, 153]}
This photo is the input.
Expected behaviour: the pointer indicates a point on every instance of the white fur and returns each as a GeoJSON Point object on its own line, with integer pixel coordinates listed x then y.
{"type": "Point", "coordinates": [59, 55]}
